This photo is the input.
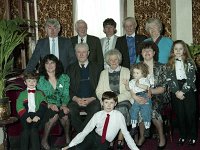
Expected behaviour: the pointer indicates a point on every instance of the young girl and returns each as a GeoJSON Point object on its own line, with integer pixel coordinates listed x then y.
{"type": "Point", "coordinates": [181, 80]}
{"type": "Point", "coordinates": [140, 85]}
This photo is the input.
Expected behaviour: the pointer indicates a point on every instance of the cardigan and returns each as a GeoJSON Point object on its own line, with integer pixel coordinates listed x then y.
{"type": "Point", "coordinates": [104, 86]}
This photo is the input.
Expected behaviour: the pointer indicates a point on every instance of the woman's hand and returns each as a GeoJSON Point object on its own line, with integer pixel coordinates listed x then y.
{"type": "Point", "coordinates": [65, 109]}
{"type": "Point", "coordinates": [53, 107]}
{"type": "Point", "coordinates": [139, 99]}
{"type": "Point", "coordinates": [149, 93]}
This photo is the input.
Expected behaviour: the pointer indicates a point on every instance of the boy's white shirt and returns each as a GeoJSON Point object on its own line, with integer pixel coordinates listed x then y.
{"type": "Point", "coordinates": [116, 123]}
{"type": "Point", "coordinates": [31, 101]}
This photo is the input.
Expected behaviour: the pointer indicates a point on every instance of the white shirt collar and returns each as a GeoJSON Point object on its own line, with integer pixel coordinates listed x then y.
{"type": "Point", "coordinates": [132, 35]}
{"type": "Point", "coordinates": [84, 39]}
{"type": "Point", "coordinates": [85, 63]}
{"type": "Point", "coordinates": [111, 70]}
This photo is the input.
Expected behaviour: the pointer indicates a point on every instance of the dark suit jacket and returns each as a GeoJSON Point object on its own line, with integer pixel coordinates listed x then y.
{"type": "Point", "coordinates": [74, 75]}
{"type": "Point", "coordinates": [122, 46]}
{"type": "Point", "coordinates": [95, 48]}
{"type": "Point", "coordinates": [66, 53]}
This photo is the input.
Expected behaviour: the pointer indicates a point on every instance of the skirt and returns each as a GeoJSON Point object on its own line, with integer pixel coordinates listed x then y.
{"type": "Point", "coordinates": [124, 107]}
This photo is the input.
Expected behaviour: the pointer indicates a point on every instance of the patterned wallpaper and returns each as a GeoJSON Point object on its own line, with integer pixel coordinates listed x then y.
{"type": "Point", "coordinates": [60, 9]}
{"type": "Point", "coordinates": [153, 9]}
{"type": "Point", "coordinates": [2, 9]}
{"type": "Point", "coordinates": [196, 21]}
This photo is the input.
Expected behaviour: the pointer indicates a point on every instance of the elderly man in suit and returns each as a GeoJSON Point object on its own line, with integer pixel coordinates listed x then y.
{"type": "Point", "coordinates": [93, 42]}
{"type": "Point", "coordinates": [84, 77]}
{"type": "Point", "coordinates": [61, 47]}
{"type": "Point", "coordinates": [129, 43]}
{"type": "Point", "coordinates": [108, 42]}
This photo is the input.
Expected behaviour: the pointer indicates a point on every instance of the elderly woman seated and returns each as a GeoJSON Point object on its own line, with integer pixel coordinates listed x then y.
{"type": "Point", "coordinates": [111, 79]}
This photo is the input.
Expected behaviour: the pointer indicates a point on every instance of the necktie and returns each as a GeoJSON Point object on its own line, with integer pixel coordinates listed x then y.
{"type": "Point", "coordinates": [31, 91]}
{"type": "Point", "coordinates": [53, 46]}
{"type": "Point", "coordinates": [107, 45]}
{"type": "Point", "coordinates": [82, 66]}
{"type": "Point", "coordinates": [131, 48]}
{"type": "Point", "coordinates": [81, 40]}
{"type": "Point", "coordinates": [103, 138]}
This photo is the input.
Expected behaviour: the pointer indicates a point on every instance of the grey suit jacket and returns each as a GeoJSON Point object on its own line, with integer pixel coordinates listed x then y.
{"type": "Point", "coordinates": [66, 53]}
{"type": "Point", "coordinates": [113, 44]}
{"type": "Point", "coordinates": [94, 44]}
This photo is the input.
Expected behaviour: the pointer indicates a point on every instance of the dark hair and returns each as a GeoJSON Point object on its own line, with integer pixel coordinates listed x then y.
{"type": "Point", "coordinates": [141, 66]}
{"type": "Point", "coordinates": [30, 75]}
{"type": "Point", "coordinates": [59, 67]}
{"type": "Point", "coordinates": [109, 21]}
{"type": "Point", "coordinates": [149, 44]}
{"type": "Point", "coordinates": [109, 95]}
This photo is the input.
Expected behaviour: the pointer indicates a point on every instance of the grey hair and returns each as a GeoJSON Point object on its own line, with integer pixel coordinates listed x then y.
{"type": "Point", "coordinates": [79, 22]}
{"type": "Point", "coordinates": [52, 21]}
{"type": "Point", "coordinates": [82, 45]}
{"type": "Point", "coordinates": [113, 52]}
{"type": "Point", "coordinates": [155, 21]}
{"type": "Point", "coordinates": [131, 19]}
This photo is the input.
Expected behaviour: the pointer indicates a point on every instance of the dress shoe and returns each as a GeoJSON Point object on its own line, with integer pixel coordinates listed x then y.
{"type": "Point", "coordinates": [163, 146]}
{"type": "Point", "coordinates": [181, 141]}
{"type": "Point", "coordinates": [191, 142]}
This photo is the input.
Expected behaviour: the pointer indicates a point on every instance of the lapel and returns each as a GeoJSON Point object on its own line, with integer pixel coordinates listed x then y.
{"type": "Point", "coordinates": [114, 41]}
{"type": "Point", "coordinates": [60, 47]}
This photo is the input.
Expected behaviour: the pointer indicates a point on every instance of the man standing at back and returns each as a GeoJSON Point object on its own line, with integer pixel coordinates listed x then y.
{"type": "Point", "coordinates": [108, 42]}
{"type": "Point", "coordinates": [128, 44]}
{"type": "Point", "coordinates": [61, 47]}
{"type": "Point", "coordinates": [93, 42]}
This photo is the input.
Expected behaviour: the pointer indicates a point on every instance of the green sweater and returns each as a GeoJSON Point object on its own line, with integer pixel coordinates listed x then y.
{"type": "Point", "coordinates": [58, 96]}
{"type": "Point", "coordinates": [22, 104]}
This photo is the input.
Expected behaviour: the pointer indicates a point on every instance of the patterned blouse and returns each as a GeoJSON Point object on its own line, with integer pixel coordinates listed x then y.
{"type": "Point", "coordinates": [158, 100]}
{"type": "Point", "coordinates": [58, 96]}
{"type": "Point", "coordinates": [190, 81]}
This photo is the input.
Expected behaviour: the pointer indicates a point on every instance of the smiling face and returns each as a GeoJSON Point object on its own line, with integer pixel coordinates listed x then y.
{"type": "Point", "coordinates": [82, 54]}
{"type": "Point", "coordinates": [52, 31]}
{"type": "Point", "coordinates": [50, 66]}
{"type": "Point", "coordinates": [109, 104]}
{"type": "Point", "coordinates": [81, 29]}
{"type": "Point", "coordinates": [148, 54]}
{"type": "Point", "coordinates": [178, 50]}
{"type": "Point", "coordinates": [154, 30]}
{"type": "Point", "coordinates": [109, 30]}
{"type": "Point", "coordinates": [31, 83]}
{"type": "Point", "coordinates": [113, 61]}
{"type": "Point", "coordinates": [129, 27]}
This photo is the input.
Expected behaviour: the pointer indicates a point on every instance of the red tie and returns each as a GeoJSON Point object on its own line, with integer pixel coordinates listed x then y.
{"type": "Point", "coordinates": [31, 91]}
{"type": "Point", "coordinates": [105, 129]}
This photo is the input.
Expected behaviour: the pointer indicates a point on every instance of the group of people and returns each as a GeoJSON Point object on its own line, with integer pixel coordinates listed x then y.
{"type": "Point", "coordinates": [129, 77]}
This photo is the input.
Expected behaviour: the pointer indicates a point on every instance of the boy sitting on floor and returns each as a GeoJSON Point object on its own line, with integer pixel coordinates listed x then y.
{"type": "Point", "coordinates": [108, 122]}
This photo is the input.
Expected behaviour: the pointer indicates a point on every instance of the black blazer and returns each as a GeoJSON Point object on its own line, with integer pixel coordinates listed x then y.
{"type": "Point", "coordinates": [66, 53]}
{"type": "Point", "coordinates": [74, 74]}
{"type": "Point", "coordinates": [122, 46]}
{"type": "Point", "coordinates": [96, 54]}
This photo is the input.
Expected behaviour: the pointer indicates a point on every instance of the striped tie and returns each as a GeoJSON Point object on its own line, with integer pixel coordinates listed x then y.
{"type": "Point", "coordinates": [107, 45]}
{"type": "Point", "coordinates": [53, 46]}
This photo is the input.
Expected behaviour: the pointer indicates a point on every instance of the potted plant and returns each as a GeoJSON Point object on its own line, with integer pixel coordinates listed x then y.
{"type": "Point", "coordinates": [195, 53]}
{"type": "Point", "coordinates": [11, 35]}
